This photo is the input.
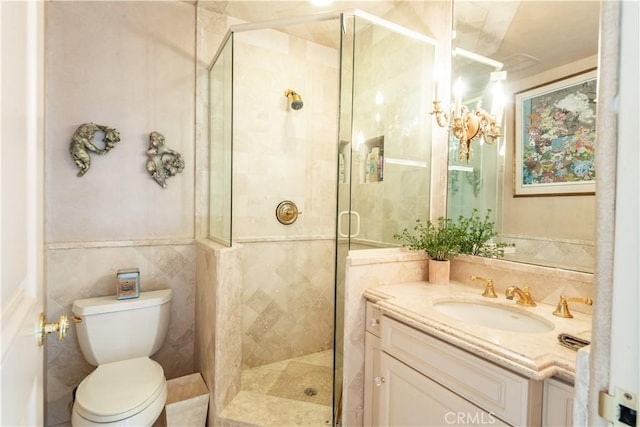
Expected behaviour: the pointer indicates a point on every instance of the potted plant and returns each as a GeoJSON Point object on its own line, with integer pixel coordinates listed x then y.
{"type": "Point", "coordinates": [446, 238]}
{"type": "Point", "coordinates": [440, 240]}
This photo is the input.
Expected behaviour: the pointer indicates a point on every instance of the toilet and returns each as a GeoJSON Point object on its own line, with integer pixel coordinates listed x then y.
{"type": "Point", "coordinates": [127, 388]}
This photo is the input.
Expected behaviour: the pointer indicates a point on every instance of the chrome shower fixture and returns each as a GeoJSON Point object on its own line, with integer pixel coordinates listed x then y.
{"type": "Point", "coordinates": [295, 100]}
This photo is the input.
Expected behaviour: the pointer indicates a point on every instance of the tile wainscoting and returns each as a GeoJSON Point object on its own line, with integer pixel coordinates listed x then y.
{"type": "Point", "coordinates": [88, 269]}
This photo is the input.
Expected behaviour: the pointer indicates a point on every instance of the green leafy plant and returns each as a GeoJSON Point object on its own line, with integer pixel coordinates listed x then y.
{"type": "Point", "coordinates": [440, 240]}
{"type": "Point", "coordinates": [446, 238]}
{"type": "Point", "coordinates": [478, 236]}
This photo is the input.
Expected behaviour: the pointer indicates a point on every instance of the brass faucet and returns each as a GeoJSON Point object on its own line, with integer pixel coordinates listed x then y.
{"type": "Point", "coordinates": [489, 292]}
{"type": "Point", "coordinates": [563, 307]}
{"type": "Point", "coordinates": [524, 295]}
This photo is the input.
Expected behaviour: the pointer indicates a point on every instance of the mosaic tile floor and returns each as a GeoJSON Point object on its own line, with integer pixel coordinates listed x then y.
{"type": "Point", "coordinates": [294, 392]}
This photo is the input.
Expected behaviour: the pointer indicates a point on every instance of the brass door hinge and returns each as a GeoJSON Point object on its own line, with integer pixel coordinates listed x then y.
{"type": "Point", "coordinates": [621, 409]}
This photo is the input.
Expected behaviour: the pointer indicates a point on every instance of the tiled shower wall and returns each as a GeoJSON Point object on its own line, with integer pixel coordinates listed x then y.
{"type": "Point", "coordinates": [128, 65]}
{"type": "Point", "coordinates": [288, 300]}
{"type": "Point", "coordinates": [283, 154]}
{"type": "Point", "coordinates": [392, 86]}
{"type": "Point", "coordinates": [218, 343]}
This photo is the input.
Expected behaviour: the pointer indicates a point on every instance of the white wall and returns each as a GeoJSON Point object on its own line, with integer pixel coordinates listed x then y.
{"type": "Point", "coordinates": [128, 65]}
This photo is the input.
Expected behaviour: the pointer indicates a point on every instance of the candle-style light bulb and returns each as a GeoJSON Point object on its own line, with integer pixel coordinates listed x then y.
{"type": "Point", "coordinates": [458, 98]}
{"type": "Point", "coordinates": [497, 104]}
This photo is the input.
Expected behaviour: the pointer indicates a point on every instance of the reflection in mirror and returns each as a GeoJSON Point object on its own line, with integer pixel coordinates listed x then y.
{"type": "Point", "coordinates": [538, 43]}
{"type": "Point", "coordinates": [470, 121]}
{"type": "Point", "coordinates": [473, 181]}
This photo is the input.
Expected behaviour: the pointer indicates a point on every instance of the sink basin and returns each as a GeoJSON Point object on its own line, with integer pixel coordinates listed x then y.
{"type": "Point", "coordinates": [494, 316]}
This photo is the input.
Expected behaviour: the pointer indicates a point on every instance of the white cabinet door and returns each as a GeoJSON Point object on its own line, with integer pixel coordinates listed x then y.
{"type": "Point", "coordinates": [557, 409]}
{"type": "Point", "coordinates": [408, 398]}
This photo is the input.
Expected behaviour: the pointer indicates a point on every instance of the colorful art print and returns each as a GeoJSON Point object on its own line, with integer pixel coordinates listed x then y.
{"type": "Point", "coordinates": [555, 143]}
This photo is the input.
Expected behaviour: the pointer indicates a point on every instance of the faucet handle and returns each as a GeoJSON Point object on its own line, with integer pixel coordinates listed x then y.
{"type": "Point", "coordinates": [489, 291]}
{"type": "Point", "coordinates": [562, 310]}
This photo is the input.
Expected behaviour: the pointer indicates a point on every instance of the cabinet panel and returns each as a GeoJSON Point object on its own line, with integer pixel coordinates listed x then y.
{"type": "Point", "coordinates": [408, 398]}
{"type": "Point", "coordinates": [496, 389]}
{"type": "Point", "coordinates": [371, 378]}
{"type": "Point", "coordinates": [558, 403]}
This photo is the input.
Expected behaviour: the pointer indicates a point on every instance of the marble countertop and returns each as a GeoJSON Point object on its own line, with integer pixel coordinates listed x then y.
{"type": "Point", "coordinates": [534, 355]}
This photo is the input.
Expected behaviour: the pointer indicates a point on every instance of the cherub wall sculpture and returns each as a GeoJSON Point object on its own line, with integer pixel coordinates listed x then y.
{"type": "Point", "coordinates": [81, 144]}
{"type": "Point", "coordinates": [163, 162]}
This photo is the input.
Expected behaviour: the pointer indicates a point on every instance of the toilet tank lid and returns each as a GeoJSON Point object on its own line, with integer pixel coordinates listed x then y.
{"type": "Point", "coordinates": [108, 304]}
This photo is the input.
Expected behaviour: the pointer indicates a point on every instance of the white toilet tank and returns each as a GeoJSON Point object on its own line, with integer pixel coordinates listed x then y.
{"type": "Point", "coordinates": [110, 330]}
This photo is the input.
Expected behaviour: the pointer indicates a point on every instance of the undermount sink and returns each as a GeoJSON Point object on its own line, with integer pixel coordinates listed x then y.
{"type": "Point", "coordinates": [494, 316]}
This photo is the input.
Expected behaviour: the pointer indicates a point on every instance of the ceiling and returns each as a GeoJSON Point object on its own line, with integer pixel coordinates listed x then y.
{"type": "Point", "coordinates": [528, 36]}
{"type": "Point", "coordinates": [266, 10]}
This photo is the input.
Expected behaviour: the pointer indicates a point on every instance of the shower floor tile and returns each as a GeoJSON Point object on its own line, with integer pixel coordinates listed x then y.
{"type": "Point", "coordinates": [304, 382]}
{"type": "Point", "coordinates": [274, 394]}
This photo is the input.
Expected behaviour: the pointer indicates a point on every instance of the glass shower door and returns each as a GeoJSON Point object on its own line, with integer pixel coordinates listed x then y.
{"type": "Point", "coordinates": [384, 148]}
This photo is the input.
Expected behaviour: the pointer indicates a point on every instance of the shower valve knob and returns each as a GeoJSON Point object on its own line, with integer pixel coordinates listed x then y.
{"type": "Point", "coordinates": [287, 212]}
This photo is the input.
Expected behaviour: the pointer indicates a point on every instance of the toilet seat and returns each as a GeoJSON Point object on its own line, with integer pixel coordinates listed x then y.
{"type": "Point", "coordinates": [119, 390]}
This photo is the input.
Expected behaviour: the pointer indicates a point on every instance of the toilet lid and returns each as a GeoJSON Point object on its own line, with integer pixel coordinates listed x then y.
{"type": "Point", "coordinates": [119, 390]}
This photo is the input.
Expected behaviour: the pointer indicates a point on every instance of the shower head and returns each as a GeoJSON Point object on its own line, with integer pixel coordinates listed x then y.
{"type": "Point", "coordinates": [295, 100]}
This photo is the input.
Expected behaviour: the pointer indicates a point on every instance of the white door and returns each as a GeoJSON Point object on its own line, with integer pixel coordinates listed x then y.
{"type": "Point", "coordinates": [21, 210]}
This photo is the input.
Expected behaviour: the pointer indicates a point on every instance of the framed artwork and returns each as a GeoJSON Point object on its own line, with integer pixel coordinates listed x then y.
{"type": "Point", "coordinates": [555, 141]}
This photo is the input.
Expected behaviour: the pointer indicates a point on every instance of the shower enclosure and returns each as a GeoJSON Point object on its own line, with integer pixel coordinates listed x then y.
{"type": "Point", "coordinates": [293, 188]}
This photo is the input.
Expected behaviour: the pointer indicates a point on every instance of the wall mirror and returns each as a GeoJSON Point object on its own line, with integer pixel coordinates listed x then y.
{"type": "Point", "coordinates": [538, 44]}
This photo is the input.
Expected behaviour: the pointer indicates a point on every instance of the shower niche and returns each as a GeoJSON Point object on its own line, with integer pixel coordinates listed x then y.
{"type": "Point", "coordinates": [372, 160]}
{"type": "Point", "coordinates": [358, 152]}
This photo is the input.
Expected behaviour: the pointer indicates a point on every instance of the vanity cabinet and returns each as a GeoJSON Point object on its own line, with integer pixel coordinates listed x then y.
{"type": "Point", "coordinates": [557, 408]}
{"type": "Point", "coordinates": [413, 378]}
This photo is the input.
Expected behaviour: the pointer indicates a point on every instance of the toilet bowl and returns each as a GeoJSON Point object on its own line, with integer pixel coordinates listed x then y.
{"type": "Point", "coordinates": [130, 392]}
{"type": "Point", "coordinates": [127, 388]}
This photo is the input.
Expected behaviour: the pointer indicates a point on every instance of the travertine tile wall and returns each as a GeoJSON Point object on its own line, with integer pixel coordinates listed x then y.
{"type": "Point", "coordinates": [546, 283]}
{"type": "Point", "coordinates": [284, 154]}
{"type": "Point", "coordinates": [569, 254]}
{"type": "Point", "coordinates": [83, 271]}
{"type": "Point", "coordinates": [279, 153]}
{"type": "Point", "coordinates": [367, 269]}
{"type": "Point", "coordinates": [218, 308]}
{"type": "Point", "coordinates": [128, 65]}
{"type": "Point", "coordinates": [392, 97]}
{"type": "Point", "coordinates": [288, 298]}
